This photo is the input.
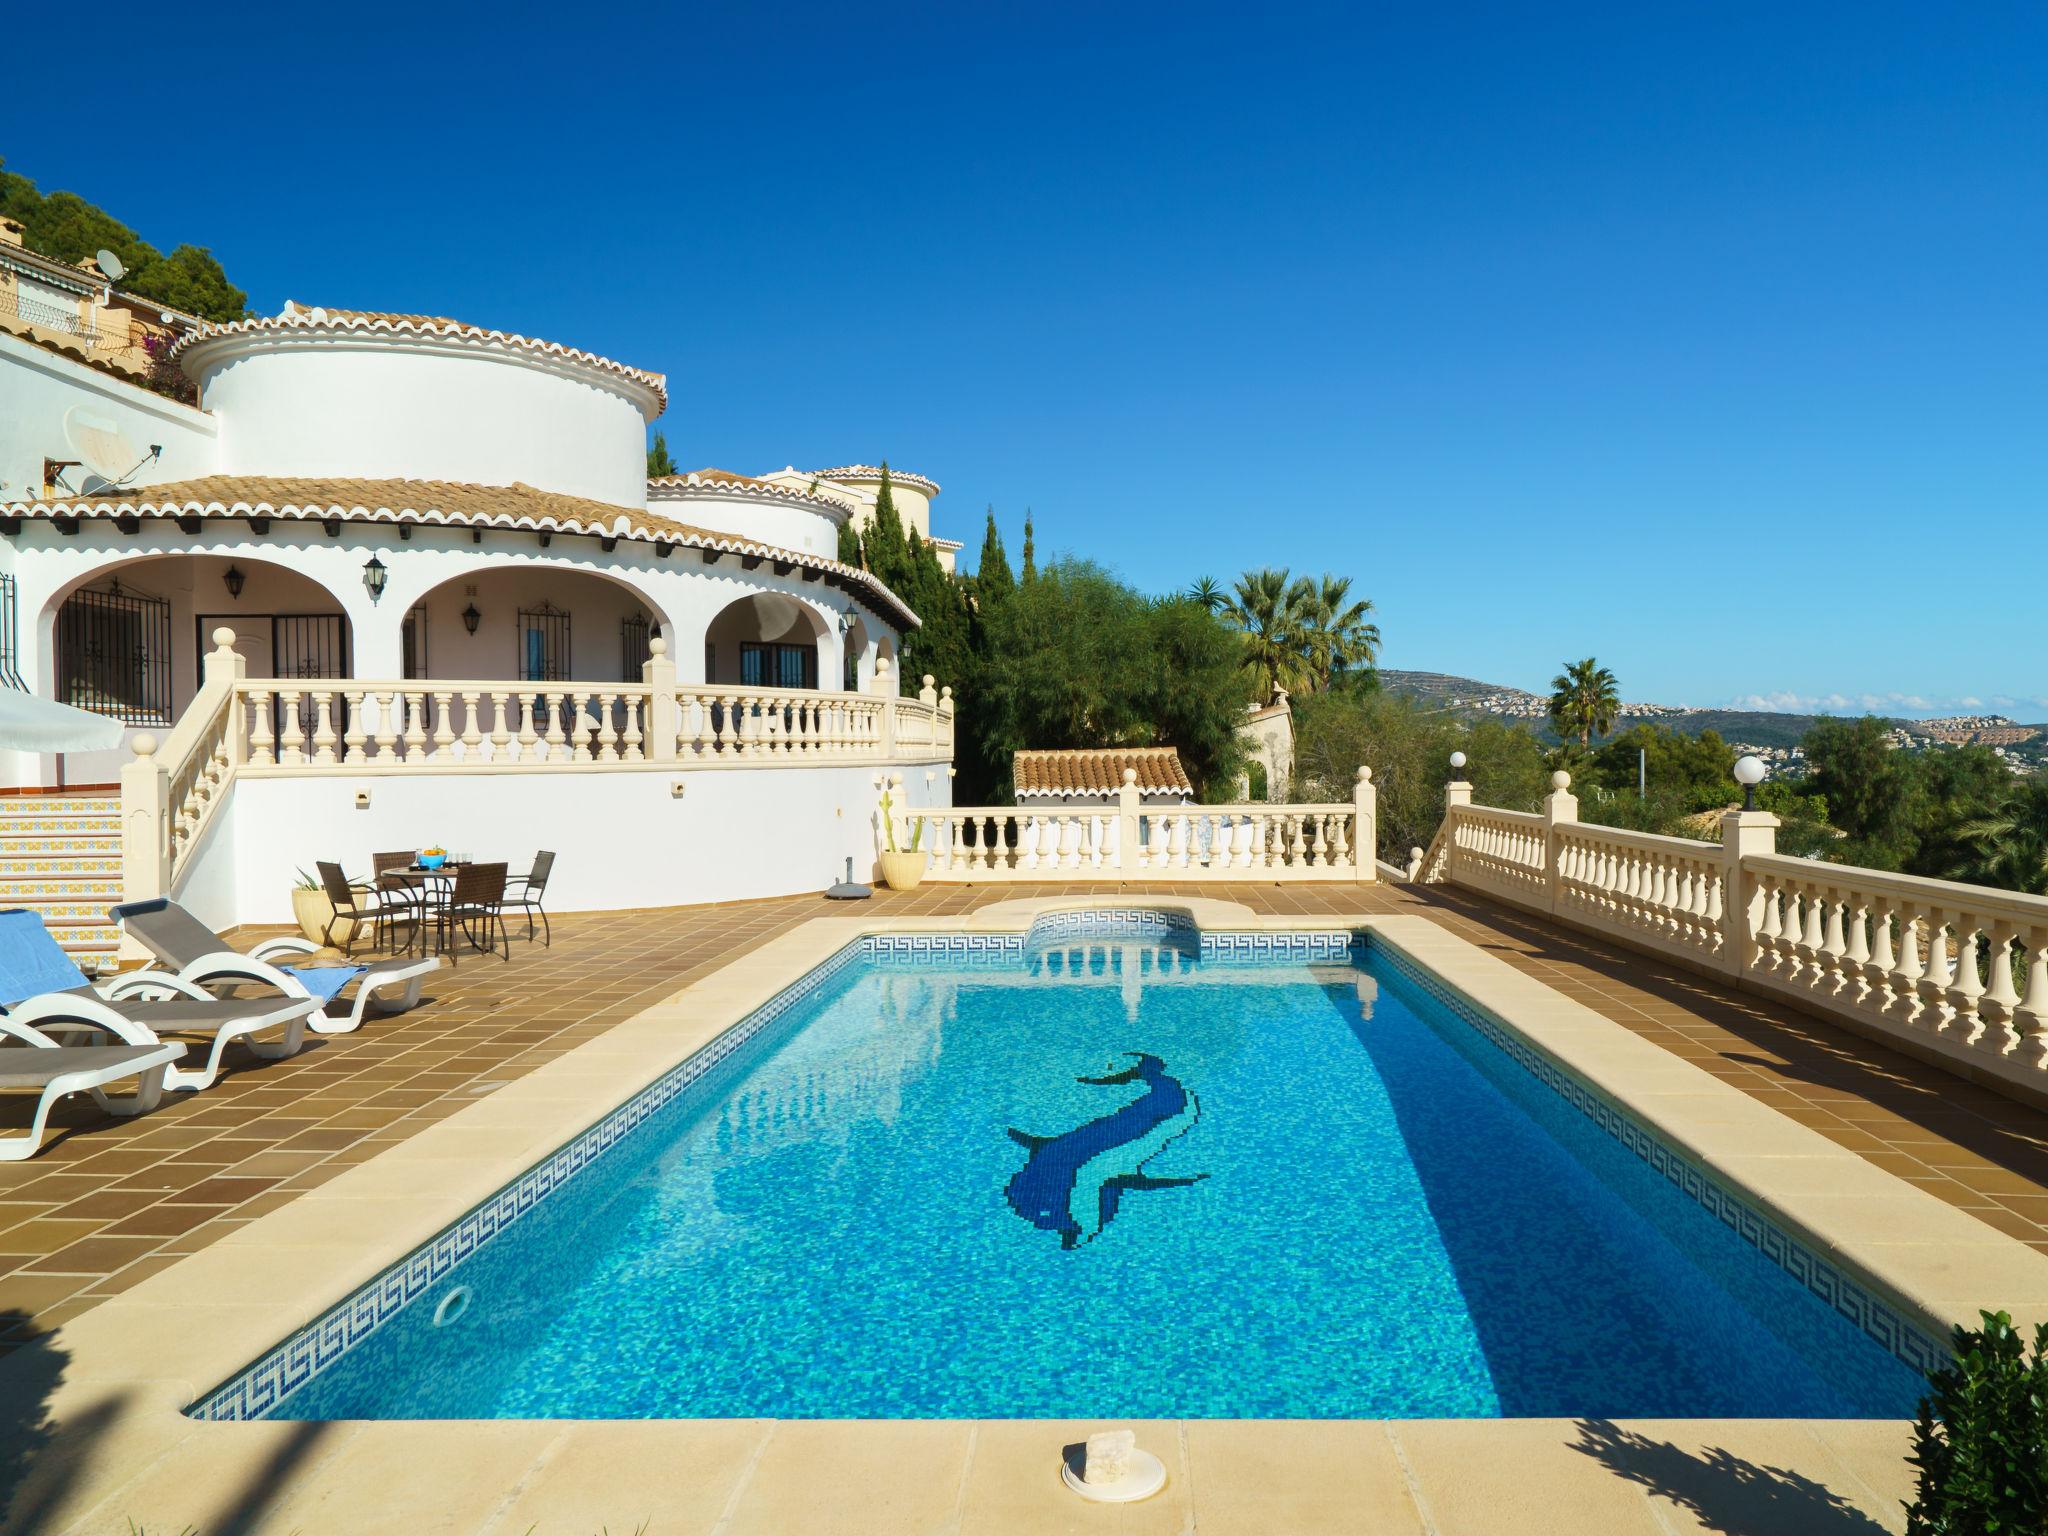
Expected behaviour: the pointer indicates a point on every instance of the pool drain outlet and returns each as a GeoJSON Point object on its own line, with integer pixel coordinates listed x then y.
{"type": "Point", "coordinates": [452, 1307]}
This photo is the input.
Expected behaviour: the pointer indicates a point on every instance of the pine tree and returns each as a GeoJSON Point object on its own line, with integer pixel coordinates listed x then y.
{"type": "Point", "coordinates": [1030, 570]}
{"type": "Point", "coordinates": [992, 579]}
{"type": "Point", "coordinates": [658, 461]}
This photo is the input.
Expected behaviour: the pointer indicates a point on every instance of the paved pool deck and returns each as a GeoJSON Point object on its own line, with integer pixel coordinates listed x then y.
{"type": "Point", "coordinates": [300, 1178]}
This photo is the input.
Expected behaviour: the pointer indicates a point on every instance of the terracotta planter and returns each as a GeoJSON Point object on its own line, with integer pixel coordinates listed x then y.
{"type": "Point", "coordinates": [903, 871]}
{"type": "Point", "coordinates": [314, 911]}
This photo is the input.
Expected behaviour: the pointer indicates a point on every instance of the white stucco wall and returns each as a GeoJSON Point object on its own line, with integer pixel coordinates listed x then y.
{"type": "Point", "coordinates": [386, 408]}
{"type": "Point", "coordinates": [766, 519]}
{"type": "Point", "coordinates": [38, 389]}
{"type": "Point", "coordinates": [624, 839]}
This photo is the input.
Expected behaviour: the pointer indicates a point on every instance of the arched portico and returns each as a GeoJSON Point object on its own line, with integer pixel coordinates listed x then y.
{"type": "Point", "coordinates": [543, 623]}
{"type": "Point", "coordinates": [127, 638]}
{"type": "Point", "coordinates": [771, 640]}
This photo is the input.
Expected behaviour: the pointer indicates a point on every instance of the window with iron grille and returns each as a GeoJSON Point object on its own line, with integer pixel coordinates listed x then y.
{"type": "Point", "coordinates": [114, 655]}
{"type": "Point", "coordinates": [543, 644]}
{"type": "Point", "coordinates": [633, 652]}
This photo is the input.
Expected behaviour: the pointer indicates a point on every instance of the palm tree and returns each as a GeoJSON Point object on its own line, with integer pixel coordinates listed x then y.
{"type": "Point", "coordinates": [2009, 846]}
{"type": "Point", "coordinates": [1262, 608]}
{"type": "Point", "coordinates": [1207, 593]}
{"type": "Point", "coordinates": [1339, 634]}
{"type": "Point", "coordinates": [1584, 699]}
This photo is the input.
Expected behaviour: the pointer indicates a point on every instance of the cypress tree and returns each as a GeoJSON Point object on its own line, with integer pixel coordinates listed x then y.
{"type": "Point", "coordinates": [658, 461]}
{"type": "Point", "coordinates": [889, 554]}
{"type": "Point", "coordinates": [1030, 572]}
{"type": "Point", "coordinates": [849, 544]}
{"type": "Point", "coordinates": [992, 579]}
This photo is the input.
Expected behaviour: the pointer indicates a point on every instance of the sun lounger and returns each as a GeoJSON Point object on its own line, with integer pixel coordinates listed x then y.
{"type": "Point", "coordinates": [31, 1059]}
{"type": "Point", "coordinates": [196, 954]}
{"type": "Point", "coordinates": [43, 989]}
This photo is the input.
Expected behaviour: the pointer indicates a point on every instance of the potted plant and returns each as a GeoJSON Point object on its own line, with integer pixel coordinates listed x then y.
{"type": "Point", "coordinates": [313, 912]}
{"type": "Point", "coordinates": [902, 868]}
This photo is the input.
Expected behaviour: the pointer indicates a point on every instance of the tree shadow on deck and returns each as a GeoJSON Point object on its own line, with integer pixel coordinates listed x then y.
{"type": "Point", "coordinates": [1721, 1490]}
{"type": "Point", "coordinates": [1793, 1047]}
{"type": "Point", "coordinates": [51, 1469]}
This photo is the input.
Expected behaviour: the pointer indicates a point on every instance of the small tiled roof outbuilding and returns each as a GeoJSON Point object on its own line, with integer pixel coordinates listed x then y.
{"type": "Point", "coordinates": [1100, 771]}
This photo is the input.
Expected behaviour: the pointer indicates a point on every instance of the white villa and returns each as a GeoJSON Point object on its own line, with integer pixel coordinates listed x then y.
{"type": "Point", "coordinates": [433, 546]}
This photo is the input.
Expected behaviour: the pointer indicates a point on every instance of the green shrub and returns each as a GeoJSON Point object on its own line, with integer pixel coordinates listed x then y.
{"type": "Point", "coordinates": [1981, 1443]}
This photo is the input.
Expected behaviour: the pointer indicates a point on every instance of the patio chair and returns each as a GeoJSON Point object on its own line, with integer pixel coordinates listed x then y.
{"type": "Point", "coordinates": [478, 899]}
{"type": "Point", "coordinates": [403, 900]}
{"type": "Point", "coordinates": [357, 904]}
{"type": "Point", "coordinates": [523, 893]}
{"type": "Point", "coordinates": [43, 989]}
{"type": "Point", "coordinates": [31, 1059]}
{"type": "Point", "coordinates": [199, 955]}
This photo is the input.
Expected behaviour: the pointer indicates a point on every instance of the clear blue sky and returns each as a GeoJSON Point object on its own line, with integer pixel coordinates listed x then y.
{"type": "Point", "coordinates": [1709, 339]}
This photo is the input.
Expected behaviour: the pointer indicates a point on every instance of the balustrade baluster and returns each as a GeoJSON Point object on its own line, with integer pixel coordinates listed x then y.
{"type": "Point", "coordinates": [1935, 976]}
{"type": "Point", "coordinates": [2001, 998]}
{"type": "Point", "coordinates": [501, 726]}
{"type": "Point", "coordinates": [632, 738]}
{"type": "Point", "coordinates": [415, 727]}
{"type": "Point", "coordinates": [557, 737]}
{"type": "Point", "coordinates": [323, 727]}
{"type": "Point", "coordinates": [262, 742]}
{"type": "Point", "coordinates": [291, 743]}
{"type": "Point", "coordinates": [353, 736]}
{"type": "Point", "coordinates": [1966, 982]}
{"type": "Point", "coordinates": [388, 703]}
{"type": "Point", "coordinates": [2030, 1019]}
{"type": "Point", "coordinates": [472, 732]}
{"type": "Point", "coordinates": [581, 727]}
{"type": "Point", "coordinates": [444, 729]}
{"type": "Point", "coordinates": [607, 729]}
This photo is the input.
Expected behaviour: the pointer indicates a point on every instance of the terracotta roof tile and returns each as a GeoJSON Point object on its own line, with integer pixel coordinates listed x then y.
{"type": "Point", "coordinates": [1100, 772]}
{"type": "Point", "coordinates": [444, 502]}
{"type": "Point", "coordinates": [311, 318]}
{"type": "Point", "coordinates": [874, 472]}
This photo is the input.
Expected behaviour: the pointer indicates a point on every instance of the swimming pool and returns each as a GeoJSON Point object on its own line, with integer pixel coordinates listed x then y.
{"type": "Point", "coordinates": [1115, 1170]}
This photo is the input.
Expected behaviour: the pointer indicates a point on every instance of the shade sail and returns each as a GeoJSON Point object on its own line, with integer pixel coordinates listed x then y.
{"type": "Point", "coordinates": [30, 724]}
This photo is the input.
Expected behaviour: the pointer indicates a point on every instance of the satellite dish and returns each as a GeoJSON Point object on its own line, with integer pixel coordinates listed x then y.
{"type": "Point", "coordinates": [99, 445]}
{"type": "Point", "coordinates": [112, 265]}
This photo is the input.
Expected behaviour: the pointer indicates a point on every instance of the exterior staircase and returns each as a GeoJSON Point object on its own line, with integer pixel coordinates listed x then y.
{"type": "Point", "coordinates": [60, 854]}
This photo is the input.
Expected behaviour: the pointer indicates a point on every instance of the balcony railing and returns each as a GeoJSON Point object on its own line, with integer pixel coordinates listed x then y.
{"type": "Point", "coordinates": [238, 725]}
{"type": "Point", "coordinates": [1950, 972]}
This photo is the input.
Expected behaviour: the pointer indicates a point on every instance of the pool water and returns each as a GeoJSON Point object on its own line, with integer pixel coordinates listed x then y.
{"type": "Point", "coordinates": [1119, 1181]}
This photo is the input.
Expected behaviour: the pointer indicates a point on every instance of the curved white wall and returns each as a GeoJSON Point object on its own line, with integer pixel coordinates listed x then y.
{"type": "Point", "coordinates": [406, 408]}
{"type": "Point", "coordinates": [764, 519]}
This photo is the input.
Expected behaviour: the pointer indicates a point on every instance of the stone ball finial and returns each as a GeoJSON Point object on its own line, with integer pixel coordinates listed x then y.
{"type": "Point", "coordinates": [1364, 774]}
{"type": "Point", "coordinates": [881, 665]}
{"type": "Point", "coordinates": [143, 744]}
{"type": "Point", "coordinates": [657, 646]}
{"type": "Point", "coordinates": [929, 679]}
{"type": "Point", "coordinates": [896, 779]}
{"type": "Point", "coordinates": [224, 638]}
{"type": "Point", "coordinates": [1130, 775]}
{"type": "Point", "coordinates": [1560, 780]}
{"type": "Point", "coordinates": [946, 692]}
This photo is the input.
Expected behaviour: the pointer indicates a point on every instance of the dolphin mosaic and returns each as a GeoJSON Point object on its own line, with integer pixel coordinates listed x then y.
{"type": "Point", "coordinates": [1072, 1183]}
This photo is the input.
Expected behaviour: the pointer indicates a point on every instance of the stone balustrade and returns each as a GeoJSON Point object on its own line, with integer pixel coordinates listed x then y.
{"type": "Point", "coordinates": [239, 725]}
{"type": "Point", "coordinates": [1951, 973]}
{"type": "Point", "coordinates": [1130, 841]}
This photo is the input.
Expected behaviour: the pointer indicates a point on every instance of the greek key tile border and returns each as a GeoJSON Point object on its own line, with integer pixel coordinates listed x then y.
{"type": "Point", "coordinates": [1877, 1318]}
{"type": "Point", "coordinates": [256, 1391]}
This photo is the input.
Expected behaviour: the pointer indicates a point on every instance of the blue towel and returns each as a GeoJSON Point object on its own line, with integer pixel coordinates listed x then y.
{"type": "Point", "coordinates": [31, 961]}
{"type": "Point", "coordinates": [323, 981]}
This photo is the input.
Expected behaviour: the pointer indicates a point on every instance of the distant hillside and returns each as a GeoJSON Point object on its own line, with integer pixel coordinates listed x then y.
{"type": "Point", "coordinates": [1752, 727]}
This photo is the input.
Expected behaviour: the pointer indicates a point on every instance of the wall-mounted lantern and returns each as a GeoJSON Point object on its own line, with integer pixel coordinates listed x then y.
{"type": "Point", "coordinates": [235, 579]}
{"type": "Point", "coordinates": [471, 618]}
{"type": "Point", "coordinates": [374, 577]}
